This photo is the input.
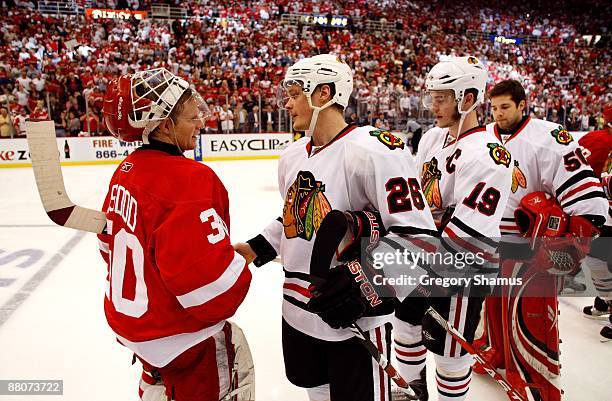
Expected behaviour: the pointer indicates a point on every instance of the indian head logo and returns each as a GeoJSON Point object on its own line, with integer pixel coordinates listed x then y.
{"type": "Point", "coordinates": [305, 206]}
{"type": "Point", "coordinates": [431, 183]}
{"type": "Point", "coordinates": [499, 154]}
{"type": "Point", "coordinates": [473, 60]}
{"type": "Point", "coordinates": [388, 139]}
{"type": "Point", "coordinates": [518, 178]}
{"type": "Point", "coordinates": [562, 136]}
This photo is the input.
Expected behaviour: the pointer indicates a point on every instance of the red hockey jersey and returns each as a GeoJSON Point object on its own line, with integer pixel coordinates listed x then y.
{"type": "Point", "coordinates": [596, 147]}
{"type": "Point", "coordinates": [173, 274]}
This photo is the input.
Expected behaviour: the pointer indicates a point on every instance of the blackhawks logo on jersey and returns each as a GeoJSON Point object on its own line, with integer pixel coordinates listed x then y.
{"type": "Point", "coordinates": [499, 154]}
{"type": "Point", "coordinates": [388, 139]}
{"type": "Point", "coordinates": [562, 135]}
{"type": "Point", "coordinates": [431, 183]}
{"type": "Point", "coordinates": [305, 206]}
{"type": "Point", "coordinates": [518, 178]}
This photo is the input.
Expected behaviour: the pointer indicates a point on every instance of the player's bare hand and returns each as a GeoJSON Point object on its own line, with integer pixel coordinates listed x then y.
{"type": "Point", "coordinates": [245, 251]}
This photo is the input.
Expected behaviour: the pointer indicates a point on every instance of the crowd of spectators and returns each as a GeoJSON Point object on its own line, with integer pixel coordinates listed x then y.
{"type": "Point", "coordinates": [236, 52]}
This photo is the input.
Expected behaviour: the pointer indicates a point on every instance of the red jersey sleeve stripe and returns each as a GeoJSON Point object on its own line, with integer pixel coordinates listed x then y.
{"type": "Point", "coordinates": [579, 189]}
{"type": "Point", "coordinates": [212, 290]}
{"type": "Point", "coordinates": [103, 246]}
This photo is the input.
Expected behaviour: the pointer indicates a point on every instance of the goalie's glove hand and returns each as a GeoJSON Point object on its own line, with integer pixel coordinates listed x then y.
{"type": "Point", "coordinates": [562, 255]}
{"type": "Point", "coordinates": [338, 300]}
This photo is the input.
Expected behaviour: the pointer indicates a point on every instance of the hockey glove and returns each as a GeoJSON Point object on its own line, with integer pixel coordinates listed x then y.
{"type": "Point", "coordinates": [559, 241]}
{"type": "Point", "coordinates": [366, 225]}
{"type": "Point", "coordinates": [338, 300]}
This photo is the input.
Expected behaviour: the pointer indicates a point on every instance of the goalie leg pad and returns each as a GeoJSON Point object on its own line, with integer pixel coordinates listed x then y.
{"type": "Point", "coordinates": [218, 369]}
{"type": "Point", "coordinates": [242, 385]}
{"type": "Point", "coordinates": [151, 387]}
{"type": "Point", "coordinates": [491, 343]}
{"type": "Point", "coordinates": [533, 338]}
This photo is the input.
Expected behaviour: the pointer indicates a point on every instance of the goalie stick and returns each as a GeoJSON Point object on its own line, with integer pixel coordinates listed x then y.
{"type": "Point", "coordinates": [45, 158]}
{"type": "Point", "coordinates": [330, 234]}
{"type": "Point", "coordinates": [510, 391]}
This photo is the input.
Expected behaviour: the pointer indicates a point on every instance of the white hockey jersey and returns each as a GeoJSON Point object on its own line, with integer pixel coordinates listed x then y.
{"type": "Point", "coordinates": [362, 168]}
{"type": "Point", "coordinates": [467, 184]}
{"type": "Point", "coordinates": [547, 158]}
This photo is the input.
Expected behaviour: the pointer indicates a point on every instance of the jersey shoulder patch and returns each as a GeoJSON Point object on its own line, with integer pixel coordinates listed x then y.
{"type": "Point", "coordinates": [562, 136]}
{"type": "Point", "coordinates": [499, 154]}
{"type": "Point", "coordinates": [388, 139]}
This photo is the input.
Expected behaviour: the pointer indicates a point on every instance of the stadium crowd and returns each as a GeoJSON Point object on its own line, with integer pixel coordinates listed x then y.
{"type": "Point", "coordinates": [235, 53]}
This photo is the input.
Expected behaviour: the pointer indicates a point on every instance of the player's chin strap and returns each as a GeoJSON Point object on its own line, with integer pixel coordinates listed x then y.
{"type": "Point", "coordinates": [462, 119]}
{"type": "Point", "coordinates": [315, 114]}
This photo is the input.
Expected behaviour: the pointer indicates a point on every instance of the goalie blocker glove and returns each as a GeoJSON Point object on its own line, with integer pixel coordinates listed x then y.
{"type": "Point", "coordinates": [559, 241]}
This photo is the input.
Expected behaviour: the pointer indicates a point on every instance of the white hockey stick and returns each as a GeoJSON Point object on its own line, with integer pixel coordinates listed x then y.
{"type": "Point", "coordinates": [50, 181]}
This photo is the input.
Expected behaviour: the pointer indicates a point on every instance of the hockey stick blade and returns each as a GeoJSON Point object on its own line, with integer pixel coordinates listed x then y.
{"type": "Point", "coordinates": [50, 181]}
{"type": "Point", "coordinates": [510, 391]}
{"type": "Point", "coordinates": [329, 236]}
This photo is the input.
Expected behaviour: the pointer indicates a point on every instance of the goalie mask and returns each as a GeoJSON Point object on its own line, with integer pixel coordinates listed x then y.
{"type": "Point", "coordinates": [307, 74]}
{"type": "Point", "coordinates": [135, 104]}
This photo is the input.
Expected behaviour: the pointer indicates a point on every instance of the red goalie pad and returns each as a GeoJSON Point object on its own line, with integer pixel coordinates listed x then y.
{"type": "Point", "coordinates": [532, 334]}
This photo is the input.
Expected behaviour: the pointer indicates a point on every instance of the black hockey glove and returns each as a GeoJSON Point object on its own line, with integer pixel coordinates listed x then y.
{"type": "Point", "coordinates": [338, 300]}
{"type": "Point", "coordinates": [361, 225]}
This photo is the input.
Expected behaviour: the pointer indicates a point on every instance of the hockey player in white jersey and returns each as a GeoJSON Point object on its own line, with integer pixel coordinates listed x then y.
{"type": "Point", "coordinates": [465, 174]}
{"type": "Point", "coordinates": [345, 167]}
{"type": "Point", "coordinates": [549, 168]}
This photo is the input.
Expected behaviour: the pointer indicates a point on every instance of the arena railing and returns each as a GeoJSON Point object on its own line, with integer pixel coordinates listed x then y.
{"type": "Point", "coordinates": [164, 11]}
{"type": "Point", "coordinates": [60, 8]}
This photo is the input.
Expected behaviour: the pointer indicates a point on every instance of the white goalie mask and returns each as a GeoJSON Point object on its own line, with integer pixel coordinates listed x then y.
{"type": "Point", "coordinates": [135, 104]}
{"type": "Point", "coordinates": [155, 92]}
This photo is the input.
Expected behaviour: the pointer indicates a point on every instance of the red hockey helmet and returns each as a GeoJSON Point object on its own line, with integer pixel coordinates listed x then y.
{"type": "Point", "coordinates": [135, 104]}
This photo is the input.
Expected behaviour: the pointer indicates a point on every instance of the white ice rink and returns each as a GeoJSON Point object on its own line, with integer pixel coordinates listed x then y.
{"type": "Point", "coordinates": [52, 280]}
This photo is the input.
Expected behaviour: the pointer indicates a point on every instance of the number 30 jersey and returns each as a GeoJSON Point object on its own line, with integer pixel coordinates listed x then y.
{"type": "Point", "coordinates": [362, 168]}
{"type": "Point", "coordinates": [466, 184]}
{"type": "Point", "coordinates": [173, 275]}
